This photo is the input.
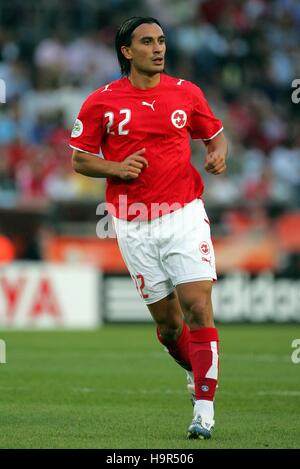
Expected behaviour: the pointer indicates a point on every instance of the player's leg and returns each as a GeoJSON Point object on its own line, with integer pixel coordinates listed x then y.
{"type": "Point", "coordinates": [144, 264]}
{"type": "Point", "coordinates": [195, 298]}
{"type": "Point", "coordinates": [189, 260]}
{"type": "Point", "coordinates": [172, 331]}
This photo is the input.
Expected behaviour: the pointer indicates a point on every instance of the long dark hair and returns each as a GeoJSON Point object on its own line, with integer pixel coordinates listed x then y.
{"type": "Point", "coordinates": [124, 36]}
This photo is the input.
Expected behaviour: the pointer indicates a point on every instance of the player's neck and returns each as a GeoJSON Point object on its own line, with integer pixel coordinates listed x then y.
{"type": "Point", "coordinates": [143, 81]}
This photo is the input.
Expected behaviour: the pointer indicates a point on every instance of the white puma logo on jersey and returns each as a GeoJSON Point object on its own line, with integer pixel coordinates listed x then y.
{"type": "Point", "coordinates": [106, 88]}
{"type": "Point", "coordinates": [144, 103]}
{"type": "Point", "coordinates": [179, 82]}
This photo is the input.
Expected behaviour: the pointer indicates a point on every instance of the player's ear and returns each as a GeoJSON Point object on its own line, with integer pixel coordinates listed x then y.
{"type": "Point", "coordinates": [126, 52]}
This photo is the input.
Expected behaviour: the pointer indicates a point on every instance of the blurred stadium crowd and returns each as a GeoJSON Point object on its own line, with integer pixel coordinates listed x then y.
{"type": "Point", "coordinates": [243, 53]}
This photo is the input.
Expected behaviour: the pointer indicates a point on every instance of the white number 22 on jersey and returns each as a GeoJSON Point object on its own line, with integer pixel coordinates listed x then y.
{"type": "Point", "coordinates": [111, 118]}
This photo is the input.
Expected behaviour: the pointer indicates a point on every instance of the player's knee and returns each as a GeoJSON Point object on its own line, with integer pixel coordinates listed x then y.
{"type": "Point", "coordinates": [170, 332]}
{"type": "Point", "coordinates": [200, 312]}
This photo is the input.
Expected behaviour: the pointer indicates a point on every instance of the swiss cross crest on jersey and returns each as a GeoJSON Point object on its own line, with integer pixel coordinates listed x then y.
{"type": "Point", "coordinates": [179, 118]}
{"type": "Point", "coordinates": [204, 248]}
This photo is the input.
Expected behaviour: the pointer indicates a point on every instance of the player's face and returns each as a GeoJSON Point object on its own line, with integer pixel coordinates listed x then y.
{"type": "Point", "coordinates": [147, 49]}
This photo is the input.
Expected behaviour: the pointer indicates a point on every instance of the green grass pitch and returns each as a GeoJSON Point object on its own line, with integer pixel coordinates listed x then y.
{"type": "Point", "coordinates": [117, 388]}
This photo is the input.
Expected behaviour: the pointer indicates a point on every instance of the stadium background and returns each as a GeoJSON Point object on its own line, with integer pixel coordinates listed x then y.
{"type": "Point", "coordinates": [244, 54]}
{"type": "Point", "coordinates": [56, 273]}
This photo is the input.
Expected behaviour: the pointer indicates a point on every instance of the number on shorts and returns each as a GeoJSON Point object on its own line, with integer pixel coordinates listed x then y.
{"type": "Point", "coordinates": [140, 284]}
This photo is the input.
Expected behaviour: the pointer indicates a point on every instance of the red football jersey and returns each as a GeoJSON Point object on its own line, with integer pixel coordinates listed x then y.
{"type": "Point", "coordinates": [119, 119]}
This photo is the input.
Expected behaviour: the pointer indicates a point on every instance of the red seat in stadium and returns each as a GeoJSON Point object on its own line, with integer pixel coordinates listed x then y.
{"type": "Point", "coordinates": [288, 231]}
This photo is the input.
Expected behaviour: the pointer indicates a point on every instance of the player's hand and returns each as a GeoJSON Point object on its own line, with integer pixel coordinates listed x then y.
{"type": "Point", "coordinates": [133, 165]}
{"type": "Point", "coordinates": [215, 163]}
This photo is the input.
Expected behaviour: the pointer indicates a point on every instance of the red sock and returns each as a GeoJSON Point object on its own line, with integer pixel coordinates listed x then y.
{"type": "Point", "coordinates": [179, 349]}
{"type": "Point", "coordinates": [204, 356]}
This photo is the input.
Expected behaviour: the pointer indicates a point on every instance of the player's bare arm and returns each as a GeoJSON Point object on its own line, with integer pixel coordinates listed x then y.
{"type": "Point", "coordinates": [217, 149]}
{"type": "Point", "coordinates": [93, 166]}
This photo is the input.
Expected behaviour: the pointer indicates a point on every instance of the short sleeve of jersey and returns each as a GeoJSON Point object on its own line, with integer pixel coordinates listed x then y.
{"type": "Point", "coordinates": [203, 123]}
{"type": "Point", "coordinates": [88, 127]}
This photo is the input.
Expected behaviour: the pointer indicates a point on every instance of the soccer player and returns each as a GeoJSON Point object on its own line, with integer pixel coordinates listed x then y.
{"type": "Point", "coordinates": [141, 125]}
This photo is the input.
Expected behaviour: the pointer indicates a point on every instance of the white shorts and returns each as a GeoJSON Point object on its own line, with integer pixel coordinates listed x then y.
{"type": "Point", "coordinates": [172, 249]}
